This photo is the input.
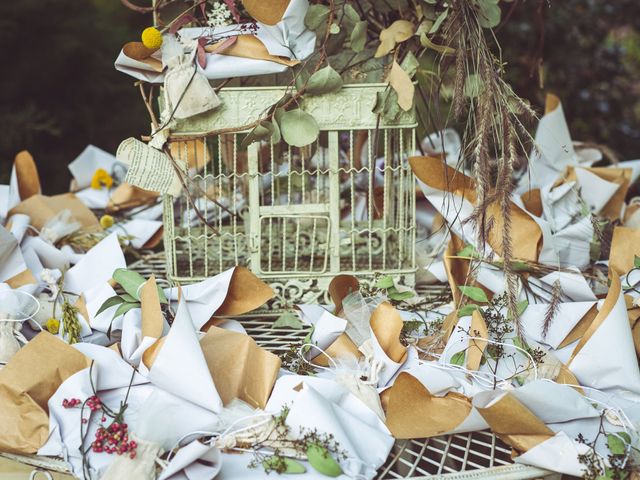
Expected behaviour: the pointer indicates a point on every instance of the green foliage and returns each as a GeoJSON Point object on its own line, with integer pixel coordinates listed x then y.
{"type": "Point", "coordinates": [281, 465]}
{"type": "Point", "coordinates": [131, 282]}
{"type": "Point", "coordinates": [298, 128]}
{"type": "Point", "coordinates": [322, 461]}
{"type": "Point", "coordinates": [387, 284]}
{"type": "Point", "coordinates": [490, 13]}
{"type": "Point", "coordinates": [467, 310]}
{"type": "Point", "coordinates": [474, 293]}
{"type": "Point", "coordinates": [288, 320]}
{"type": "Point", "coordinates": [325, 80]}
{"type": "Point", "coordinates": [458, 358]}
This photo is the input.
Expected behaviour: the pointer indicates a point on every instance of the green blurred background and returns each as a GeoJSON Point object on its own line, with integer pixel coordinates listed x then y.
{"type": "Point", "coordinates": [60, 91]}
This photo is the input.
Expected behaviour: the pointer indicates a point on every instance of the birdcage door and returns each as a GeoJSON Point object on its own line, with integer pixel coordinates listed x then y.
{"type": "Point", "coordinates": [294, 216]}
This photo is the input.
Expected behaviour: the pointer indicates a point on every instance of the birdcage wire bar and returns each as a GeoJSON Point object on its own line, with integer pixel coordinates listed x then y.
{"type": "Point", "coordinates": [344, 204]}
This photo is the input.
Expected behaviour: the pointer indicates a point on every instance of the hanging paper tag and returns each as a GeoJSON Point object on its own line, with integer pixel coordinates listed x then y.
{"type": "Point", "coordinates": [150, 169]}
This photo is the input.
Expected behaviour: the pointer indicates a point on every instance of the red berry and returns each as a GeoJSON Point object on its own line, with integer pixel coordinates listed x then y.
{"type": "Point", "coordinates": [132, 455]}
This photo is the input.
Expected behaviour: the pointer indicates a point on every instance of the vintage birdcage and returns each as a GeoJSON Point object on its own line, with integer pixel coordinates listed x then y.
{"type": "Point", "coordinates": [295, 216]}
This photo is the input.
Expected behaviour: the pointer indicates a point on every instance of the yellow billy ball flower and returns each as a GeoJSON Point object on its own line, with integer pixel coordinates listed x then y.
{"type": "Point", "coordinates": [52, 325]}
{"type": "Point", "coordinates": [101, 178]}
{"type": "Point", "coordinates": [152, 38]}
{"type": "Point", "coordinates": [106, 221]}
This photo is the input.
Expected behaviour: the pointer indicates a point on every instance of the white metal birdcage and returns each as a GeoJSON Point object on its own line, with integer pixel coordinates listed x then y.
{"type": "Point", "coordinates": [295, 216]}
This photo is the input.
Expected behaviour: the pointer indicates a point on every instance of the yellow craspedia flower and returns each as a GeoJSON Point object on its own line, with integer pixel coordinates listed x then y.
{"type": "Point", "coordinates": [151, 38]}
{"type": "Point", "coordinates": [52, 325]}
{"type": "Point", "coordinates": [106, 221]}
{"type": "Point", "coordinates": [101, 178]}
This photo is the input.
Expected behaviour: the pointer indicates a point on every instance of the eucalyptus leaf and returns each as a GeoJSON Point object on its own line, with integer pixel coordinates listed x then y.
{"type": "Point", "coordinates": [474, 293]}
{"type": "Point", "coordinates": [127, 298]}
{"type": "Point", "coordinates": [426, 42]}
{"type": "Point", "coordinates": [490, 13]}
{"type": "Point", "coordinates": [399, 31]}
{"type": "Point", "coordinates": [350, 13]}
{"type": "Point", "coordinates": [522, 306]}
{"type": "Point", "coordinates": [636, 261]}
{"type": "Point", "coordinates": [161, 296]}
{"type": "Point", "coordinates": [325, 80]}
{"type": "Point", "coordinates": [467, 310]}
{"type": "Point", "coordinates": [334, 29]}
{"type": "Point", "coordinates": [458, 359]}
{"type": "Point", "coordinates": [517, 341]}
{"type": "Point", "coordinates": [398, 296]}
{"type": "Point", "coordinates": [616, 445]}
{"type": "Point", "coordinates": [121, 310]}
{"type": "Point", "coordinates": [410, 64]}
{"type": "Point", "coordinates": [129, 280]}
{"type": "Point", "coordinates": [277, 114]}
{"type": "Point", "coordinates": [298, 128]}
{"type": "Point", "coordinates": [316, 16]}
{"type": "Point", "coordinates": [288, 320]}
{"type": "Point", "coordinates": [387, 104]}
{"type": "Point", "coordinates": [125, 307]}
{"type": "Point", "coordinates": [359, 36]}
{"type": "Point", "coordinates": [469, 251]}
{"type": "Point", "coordinates": [290, 465]}
{"type": "Point", "coordinates": [110, 302]}
{"type": "Point", "coordinates": [320, 459]}
{"type": "Point", "coordinates": [436, 25]}
{"type": "Point", "coordinates": [307, 339]}
{"type": "Point", "coordinates": [275, 136]}
{"type": "Point", "coordinates": [402, 85]}
{"type": "Point", "coordinates": [385, 282]}
{"type": "Point", "coordinates": [260, 132]}
{"type": "Point", "coordinates": [301, 78]}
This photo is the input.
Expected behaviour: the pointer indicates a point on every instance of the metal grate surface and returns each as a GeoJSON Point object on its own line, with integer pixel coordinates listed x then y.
{"type": "Point", "coordinates": [465, 456]}
{"type": "Point", "coordinates": [476, 455]}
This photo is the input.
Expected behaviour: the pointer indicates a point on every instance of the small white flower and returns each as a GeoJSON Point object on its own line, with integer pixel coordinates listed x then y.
{"type": "Point", "coordinates": [219, 15]}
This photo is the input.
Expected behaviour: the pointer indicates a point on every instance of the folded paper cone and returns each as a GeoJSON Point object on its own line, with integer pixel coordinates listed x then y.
{"type": "Point", "coordinates": [26, 383]}
{"type": "Point", "coordinates": [625, 245]}
{"type": "Point", "coordinates": [412, 412]}
{"type": "Point", "coordinates": [246, 293]}
{"type": "Point", "coordinates": [152, 319]}
{"type": "Point", "coordinates": [127, 196]}
{"type": "Point", "coordinates": [620, 176]}
{"type": "Point", "coordinates": [342, 347]}
{"type": "Point", "coordinates": [511, 421]}
{"type": "Point", "coordinates": [386, 324]}
{"type": "Point", "coordinates": [551, 103]}
{"type": "Point", "coordinates": [525, 232]}
{"type": "Point", "coordinates": [250, 46]}
{"type": "Point", "coordinates": [239, 367]}
{"type": "Point", "coordinates": [270, 12]}
{"type": "Point", "coordinates": [27, 175]}
{"type": "Point", "coordinates": [41, 209]}
{"type": "Point", "coordinates": [457, 268]}
{"type": "Point", "coordinates": [532, 201]}
{"type": "Point", "coordinates": [23, 278]}
{"type": "Point", "coordinates": [340, 287]}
